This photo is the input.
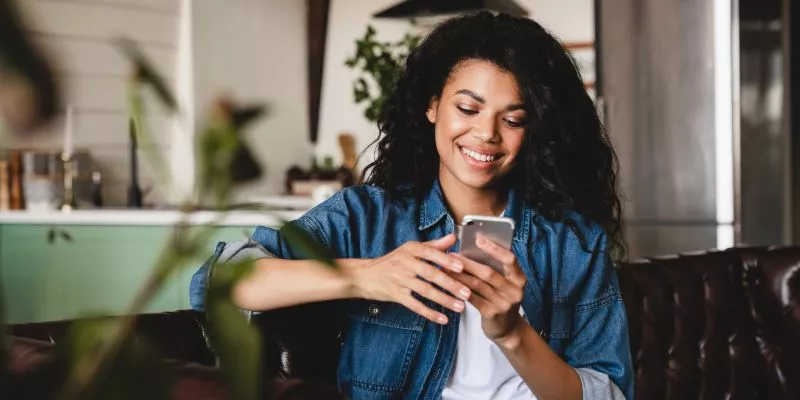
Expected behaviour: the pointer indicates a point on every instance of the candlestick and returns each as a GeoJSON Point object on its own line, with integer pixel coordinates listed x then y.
{"type": "Point", "coordinates": [68, 133]}
{"type": "Point", "coordinates": [68, 203]}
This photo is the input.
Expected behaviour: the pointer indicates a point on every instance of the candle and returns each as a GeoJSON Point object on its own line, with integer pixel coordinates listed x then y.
{"type": "Point", "coordinates": [68, 145]}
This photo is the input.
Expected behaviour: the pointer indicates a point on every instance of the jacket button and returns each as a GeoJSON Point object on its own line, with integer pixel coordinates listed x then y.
{"type": "Point", "coordinates": [374, 309]}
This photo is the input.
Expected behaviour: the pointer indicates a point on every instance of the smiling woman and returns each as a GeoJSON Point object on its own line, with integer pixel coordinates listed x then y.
{"type": "Point", "coordinates": [489, 117]}
{"type": "Point", "coordinates": [479, 122]}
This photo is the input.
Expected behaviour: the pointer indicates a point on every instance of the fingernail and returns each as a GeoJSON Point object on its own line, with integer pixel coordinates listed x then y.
{"type": "Point", "coordinates": [464, 293]}
{"type": "Point", "coordinates": [458, 266]}
{"type": "Point", "coordinates": [481, 241]}
{"type": "Point", "coordinates": [442, 319]}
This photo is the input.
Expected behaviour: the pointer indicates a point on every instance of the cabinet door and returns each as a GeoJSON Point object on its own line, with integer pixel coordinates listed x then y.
{"type": "Point", "coordinates": [99, 272]}
{"type": "Point", "coordinates": [32, 274]}
{"type": "Point", "coordinates": [110, 265]}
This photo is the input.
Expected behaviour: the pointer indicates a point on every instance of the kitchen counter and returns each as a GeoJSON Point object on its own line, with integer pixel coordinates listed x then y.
{"type": "Point", "coordinates": [103, 257]}
{"type": "Point", "coordinates": [148, 217]}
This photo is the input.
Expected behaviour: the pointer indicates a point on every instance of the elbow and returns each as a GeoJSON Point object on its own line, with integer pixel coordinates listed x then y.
{"type": "Point", "coordinates": [243, 295]}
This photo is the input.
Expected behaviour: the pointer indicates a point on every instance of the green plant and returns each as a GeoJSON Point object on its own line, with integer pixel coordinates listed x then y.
{"type": "Point", "coordinates": [101, 358]}
{"type": "Point", "coordinates": [380, 64]}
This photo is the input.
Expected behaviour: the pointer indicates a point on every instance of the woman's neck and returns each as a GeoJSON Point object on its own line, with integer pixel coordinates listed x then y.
{"type": "Point", "coordinates": [463, 200]}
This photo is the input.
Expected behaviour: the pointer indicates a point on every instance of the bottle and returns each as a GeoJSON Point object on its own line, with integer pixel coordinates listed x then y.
{"type": "Point", "coordinates": [5, 186]}
{"type": "Point", "coordinates": [97, 189]}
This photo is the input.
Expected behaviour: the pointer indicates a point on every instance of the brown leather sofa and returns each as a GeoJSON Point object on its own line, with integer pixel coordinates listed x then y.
{"type": "Point", "coordinates": [711, 325]}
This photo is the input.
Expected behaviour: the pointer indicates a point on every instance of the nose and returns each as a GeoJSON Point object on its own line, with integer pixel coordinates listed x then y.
{"type": "Point", "coordinates": [485, 130]}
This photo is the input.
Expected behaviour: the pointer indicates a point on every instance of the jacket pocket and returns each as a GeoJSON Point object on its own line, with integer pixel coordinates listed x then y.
{"type": "Point", "coordinates": [380, 342]}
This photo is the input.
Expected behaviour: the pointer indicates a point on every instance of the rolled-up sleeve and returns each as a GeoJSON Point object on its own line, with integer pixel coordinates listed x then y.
{"type": "Point", "coordinates": [265, 242]}
{"type": "Point", "coordinates": [597, 385]}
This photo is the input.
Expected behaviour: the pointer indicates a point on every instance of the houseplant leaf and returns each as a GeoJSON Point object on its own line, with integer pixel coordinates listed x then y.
{"type": "Point", "coordinates": [29, 94]}
{"type": "Point", "coordinates": [147, 73]}
{"type": "Point", "coordinates": [136, 372]}
{"type": "Point", "coordinates": [236, 343]}
{"type": "Point", "coordinates": [302, 243]}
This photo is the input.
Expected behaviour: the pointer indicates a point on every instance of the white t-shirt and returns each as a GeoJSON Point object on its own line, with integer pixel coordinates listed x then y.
{"type": "Point", "coordinates": [481, 371]}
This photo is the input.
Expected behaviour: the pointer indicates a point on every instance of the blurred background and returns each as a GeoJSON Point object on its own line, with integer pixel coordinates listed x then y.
{"type": "Point", "coordinates": [694, 94]}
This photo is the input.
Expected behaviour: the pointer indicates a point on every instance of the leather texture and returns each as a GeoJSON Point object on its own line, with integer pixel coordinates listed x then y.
{"type": "Point", "coordinates": [715, 325]}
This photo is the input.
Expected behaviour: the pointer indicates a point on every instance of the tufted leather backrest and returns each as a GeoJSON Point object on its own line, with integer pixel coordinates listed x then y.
{"type": "Point", "coordinates": [713, 325]}
{"type": "Point", "coordinates": [705, 325]}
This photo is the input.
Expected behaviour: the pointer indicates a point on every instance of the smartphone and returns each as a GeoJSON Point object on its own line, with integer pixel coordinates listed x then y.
{"type": "Point", "coordinates": [497, 229]}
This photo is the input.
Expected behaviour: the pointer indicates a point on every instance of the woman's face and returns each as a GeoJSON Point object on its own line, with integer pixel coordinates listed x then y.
{"type": "Point", "coordinates": [480, 124]}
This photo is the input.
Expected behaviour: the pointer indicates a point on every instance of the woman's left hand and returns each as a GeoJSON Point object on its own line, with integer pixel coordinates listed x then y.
{"type": "Point", "coordinates": [496, 297]}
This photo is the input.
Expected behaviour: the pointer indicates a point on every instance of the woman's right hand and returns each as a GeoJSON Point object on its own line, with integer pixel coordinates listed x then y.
{"type": "Point", "coordinates": [399, 274]}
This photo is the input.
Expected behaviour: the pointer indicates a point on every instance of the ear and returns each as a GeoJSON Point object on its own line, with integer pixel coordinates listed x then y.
{"type": "Point", "coordinates": [432, 108]}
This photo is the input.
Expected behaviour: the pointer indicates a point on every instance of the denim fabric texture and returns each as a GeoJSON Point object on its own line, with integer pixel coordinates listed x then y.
{"type": "Point", "coordinates": [572, 297]}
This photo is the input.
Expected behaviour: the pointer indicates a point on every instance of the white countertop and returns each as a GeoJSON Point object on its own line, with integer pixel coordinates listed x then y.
{"type": "Point", "coordinates": [146, 217]}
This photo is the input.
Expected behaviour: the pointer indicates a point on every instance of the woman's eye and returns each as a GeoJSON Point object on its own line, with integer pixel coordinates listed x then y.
{"type": "Point", "coordinates": [467, 111]}
{"type": "Point", "coordinates": [514, 123]}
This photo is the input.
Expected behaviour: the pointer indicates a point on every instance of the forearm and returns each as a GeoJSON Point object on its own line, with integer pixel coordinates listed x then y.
{"type": "Point", "coordinates": [543, 371]}
{"type": "Point", "coordinates": [277, 283]}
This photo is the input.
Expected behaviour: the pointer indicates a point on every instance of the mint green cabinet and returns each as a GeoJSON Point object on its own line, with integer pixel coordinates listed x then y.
{"type": "Point", "coordinates": [100, 271]}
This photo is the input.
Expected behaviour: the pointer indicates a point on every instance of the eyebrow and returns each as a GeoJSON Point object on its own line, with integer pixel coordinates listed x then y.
{"type": "Point", "coordinates": [480, 99]}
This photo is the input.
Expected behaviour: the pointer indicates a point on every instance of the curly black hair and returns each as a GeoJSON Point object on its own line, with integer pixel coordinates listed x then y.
{"type": "Point", "coordinates": [566, 163]}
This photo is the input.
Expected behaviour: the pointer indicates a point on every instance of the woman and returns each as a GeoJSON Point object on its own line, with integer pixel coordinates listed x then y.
{"type": "Point", "coordinates": [489, 117]}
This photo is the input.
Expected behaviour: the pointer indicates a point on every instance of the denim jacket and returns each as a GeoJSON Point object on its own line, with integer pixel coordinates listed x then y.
{"type": "Point", "coordinates": [572, 297]}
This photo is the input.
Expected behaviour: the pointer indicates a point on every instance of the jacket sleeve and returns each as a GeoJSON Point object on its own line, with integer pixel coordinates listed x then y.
{"type": "Point", "coordinates": [264, 243]}
{"type": "Point", "coordinates": [600, 349]}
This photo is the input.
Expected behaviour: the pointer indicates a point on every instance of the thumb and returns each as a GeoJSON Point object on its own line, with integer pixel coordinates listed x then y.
{"type": "Point", "coordinates": [443, 243]}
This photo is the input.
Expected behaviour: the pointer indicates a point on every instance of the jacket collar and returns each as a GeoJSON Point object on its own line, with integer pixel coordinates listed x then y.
{"type": "Point", "coordinates": [433, 210]}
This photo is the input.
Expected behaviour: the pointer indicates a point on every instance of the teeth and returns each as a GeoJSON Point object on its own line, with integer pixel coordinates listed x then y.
{"type": "Point", "coordinates": [478, 156]}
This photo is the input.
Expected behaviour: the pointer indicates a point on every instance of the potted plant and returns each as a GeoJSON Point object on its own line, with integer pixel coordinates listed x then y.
{"type": "Point", "coordinates": [380, 64]}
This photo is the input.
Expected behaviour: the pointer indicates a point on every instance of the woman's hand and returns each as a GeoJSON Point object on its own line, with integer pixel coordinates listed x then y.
{"type": "Point", "coordinates": [399, 274]}
{"type": "Point", "coordinates": [496, 297]}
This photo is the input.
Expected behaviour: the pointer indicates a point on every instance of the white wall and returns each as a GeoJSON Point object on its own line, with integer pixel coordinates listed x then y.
{"type": "Point", "coordinates": [255, 50]}
{"type": "Point", "coordinates": [347, 22]}
{"type": "Point", "coordinates": [252, 50]}
{"type": "Point", "coordinates": [77, 35]}
{"type": "Point", "coordinates": [570, 20]}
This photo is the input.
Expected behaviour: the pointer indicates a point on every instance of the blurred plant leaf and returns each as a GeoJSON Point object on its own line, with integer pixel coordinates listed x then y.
{"type": "Point", "coordinates": [135, 373]}
{"type": "Point", "coordinates": [302, 243]}
{"type": "Point", "coordinates": [139, 132]}
{"type": "Point", "coordinates": [147, 73]}
{"type": "Point", "coordinates": [29, 94]}
{"type": "Point", "coordinates": [236, 343]}
{"type": "Point", "coordinates": [242, 116]}
{"type": "Point", "coordinates": [218, 144]}
{"type": "Point", "coordinates": [224, 158]}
